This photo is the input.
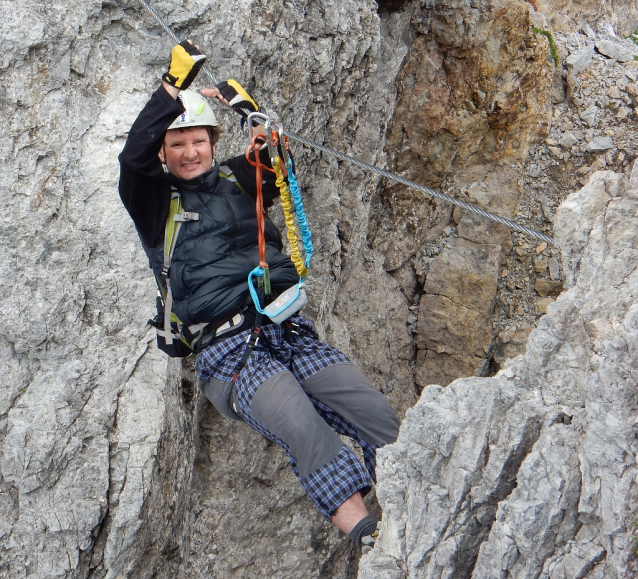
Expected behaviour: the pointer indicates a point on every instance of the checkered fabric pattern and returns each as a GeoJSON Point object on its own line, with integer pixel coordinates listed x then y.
{"type": "Point", "coordinates": [331, 484]}
{"type": "Point", "coordinates": [342, 426]}
{"type": "Point", "coordinates": [304, 358]}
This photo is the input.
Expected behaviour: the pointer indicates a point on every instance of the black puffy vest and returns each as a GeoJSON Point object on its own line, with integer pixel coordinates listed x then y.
{"type": "Point", "coordinates": [213, 256]}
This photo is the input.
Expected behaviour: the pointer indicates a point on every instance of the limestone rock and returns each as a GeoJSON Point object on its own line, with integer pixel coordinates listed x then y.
{"type": "Point", "coordinates": [589, 116]}
{"type": "Point", "coordinates": [511, 343]}
{"type": "Point", "coordinates": [615, 50]}
{"type": "Point", "coordinates": [573, 224]}
{"type": "Point", "coordinates": [452, 328]}
{"type": "Point", "coordinates": [530, 473]}
{"type": "Point", "coordinates": [548, 287]}
{"type": "Point", "coordinates": [443, 367]}
{"type": "Point", "coordinates": [456, 307]}
{"type": "Point", "coordinates": [444, 94]}
{"type": "Point", "coordinates": [354, 329]}
{"type": "Point", "coordinates": [465, 273]}
{"type": "Point", "coordinates": [568, 140]}
{"type": "Point", "coordinates": [554, 269]}
{"type": "Point", "coordinates": [580, 60]}
{"type": "Point", "coordinates": [544, 304]}
{"type": "Point", "coordinates": [599, 144]}
{"type": "Point", "coordinates": [569, 15]}
{"type": "Point", "coordinates": [99, 432]}
{"type": "Point", "coordinates": [540, 263]}
{"type": "Point", "coordinates": [111, 464]}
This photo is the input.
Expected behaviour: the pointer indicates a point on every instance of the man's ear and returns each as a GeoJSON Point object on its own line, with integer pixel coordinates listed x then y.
{"type": "Point", "coordinates": [213, 148]}
{"type": "Point", "coordinates": [161, 155]}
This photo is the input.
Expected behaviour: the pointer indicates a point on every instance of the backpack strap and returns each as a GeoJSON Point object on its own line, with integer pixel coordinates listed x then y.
{"type": "Point", "coordinates": [176, 216]}
{"type": "Point", "coordinates": [227, 173]}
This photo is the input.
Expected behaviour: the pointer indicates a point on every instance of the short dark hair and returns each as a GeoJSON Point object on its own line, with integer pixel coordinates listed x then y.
{"type": "Point", "coordinates": [214, 133]}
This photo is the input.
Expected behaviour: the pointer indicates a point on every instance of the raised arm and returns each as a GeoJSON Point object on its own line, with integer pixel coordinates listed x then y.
{"type": "Point", "coordinates": [144, 189]}
{"type": "Point", "coordinates": [233, 95]}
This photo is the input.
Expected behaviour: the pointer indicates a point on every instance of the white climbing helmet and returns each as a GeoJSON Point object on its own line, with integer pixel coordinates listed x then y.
{"type": "Point", "coordinates": [197, 114]}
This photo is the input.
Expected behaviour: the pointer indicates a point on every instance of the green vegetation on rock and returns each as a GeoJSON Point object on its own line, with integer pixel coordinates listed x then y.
{"type": "Point", "coordinates": [552, 46]}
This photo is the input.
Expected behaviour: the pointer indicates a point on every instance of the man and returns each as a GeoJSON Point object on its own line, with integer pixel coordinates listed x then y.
{"type": "Point", "coordinates": [294, 389]}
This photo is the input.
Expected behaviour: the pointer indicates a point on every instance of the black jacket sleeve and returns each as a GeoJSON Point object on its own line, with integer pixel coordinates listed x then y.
{"type": "Point", "coordinates": [144, 189]}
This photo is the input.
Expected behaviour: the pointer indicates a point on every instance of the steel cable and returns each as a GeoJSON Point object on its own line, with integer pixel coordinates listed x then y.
{"type": "Point", "coordinates": [422, 188]}
{"type": "Point", "coordinates": [362, 164]}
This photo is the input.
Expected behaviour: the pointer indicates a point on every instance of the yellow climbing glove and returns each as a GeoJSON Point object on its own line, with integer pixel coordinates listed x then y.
{"type": "Point", "coordinates": [237, 98]}
{"type": "Point", "coordinates": [184, 65]}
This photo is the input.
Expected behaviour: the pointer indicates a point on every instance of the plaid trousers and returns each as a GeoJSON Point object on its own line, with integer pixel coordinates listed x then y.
{"type": "Point", "coordinates": [338, 479]}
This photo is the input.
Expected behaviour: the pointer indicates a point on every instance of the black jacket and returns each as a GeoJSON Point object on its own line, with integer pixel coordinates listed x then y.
{"type": "Point", "coordinates": [214, 255]}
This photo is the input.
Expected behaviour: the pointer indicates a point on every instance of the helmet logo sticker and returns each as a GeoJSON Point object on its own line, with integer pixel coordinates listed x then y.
{"type": "Point", "coordinates": [197, 112]}
{"type": "Point", "coordinates": [183, 118]}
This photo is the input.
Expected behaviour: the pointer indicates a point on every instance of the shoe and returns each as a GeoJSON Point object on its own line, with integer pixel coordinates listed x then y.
{"type": "Point", "coordinates": [368, 541]}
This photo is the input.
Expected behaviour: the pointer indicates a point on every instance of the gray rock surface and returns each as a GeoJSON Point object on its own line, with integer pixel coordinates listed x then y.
{"type": "Point", "coordinates": [104, 469]}
{"type": "Point", "coordinates": [568, 140]}
{"type": "Point", "coordinates": [444, 96]}
{"type": "Point", "coordinates": [532, 473]}
{"type": "Point", "coordinates": [111, 464]}
{"type": "Point", "coordinates": [589, 116]}
{"type": "Point", "coordinates": [599, 144]}
{"type": "Point", "coordinates": [617, 18]}
{"type": "Point", "coordinates": [579, 60]}
{"type": "Point", "coordinates": [621, 52]}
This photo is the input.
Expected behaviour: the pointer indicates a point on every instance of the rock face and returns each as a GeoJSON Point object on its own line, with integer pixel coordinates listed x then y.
{"type": "Point", "coordinates": [532, 473]}
{"type": "Point", "coordinates": [104, 468]}
{"type": "Point", "coordinates": [566, 15]}
{"type": "Point", "coordinates": [111, 464]}
{"type": "Point", "coordinates": [538, 130]}
{"type": "Point", "coordinates": [494, 84]}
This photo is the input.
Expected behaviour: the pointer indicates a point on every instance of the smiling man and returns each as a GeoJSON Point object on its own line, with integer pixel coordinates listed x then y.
{"type": "Point", "coordinates": [293, 388]}
{"type": "Point", "coordinates": [187, 153]}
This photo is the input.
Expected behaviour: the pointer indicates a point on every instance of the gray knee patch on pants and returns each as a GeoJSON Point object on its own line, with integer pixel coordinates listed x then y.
{"type": "Point", "coordinates": [220, 395]}
{"type": "Point", "coordinates": [281, 405]}
{"type": "Point", "coordinates": [350, 394]}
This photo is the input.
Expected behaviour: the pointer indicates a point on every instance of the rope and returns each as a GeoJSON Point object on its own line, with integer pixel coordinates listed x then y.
{"type": "Point", "coordinates": [284, 195]}
{"type": "Point", "coordinates": [176, 40]}
{"type": "Point", "coordinates": [306, 236]}
{"type": "Point", "coordinates": [422, 188]}
{"type": "Point", "coordinates": [263, 271]}
{"type": "Point", "coordinates": [372, 168]}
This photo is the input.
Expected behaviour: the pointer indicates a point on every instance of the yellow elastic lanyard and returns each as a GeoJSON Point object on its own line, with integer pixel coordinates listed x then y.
{"type": "Point", "coordinates": [284, 194]}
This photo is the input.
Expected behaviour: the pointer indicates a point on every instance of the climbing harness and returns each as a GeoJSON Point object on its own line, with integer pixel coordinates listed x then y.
{"type": "Point", "coordinates": [294, 298]}
{"type": "Point", "coordinates": [251, 343]}
{"type": "Point", "coordinates": [363, 165]}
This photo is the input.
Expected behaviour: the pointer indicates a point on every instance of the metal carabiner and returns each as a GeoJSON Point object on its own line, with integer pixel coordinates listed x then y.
{"type": "Point", "coordinates": [249, 120]}
{"type": "Point", "coordinates": [283, 143]}
{"type": "Point", "coordinates": [272, 148]}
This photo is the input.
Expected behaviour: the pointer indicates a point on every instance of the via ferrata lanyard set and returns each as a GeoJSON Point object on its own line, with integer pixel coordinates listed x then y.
{"type": "Point", "coordinates": [293, 299]}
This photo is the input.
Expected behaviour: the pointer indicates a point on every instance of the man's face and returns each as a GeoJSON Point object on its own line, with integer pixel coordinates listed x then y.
{"type": "Point", "coordinates": [187, 152]}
